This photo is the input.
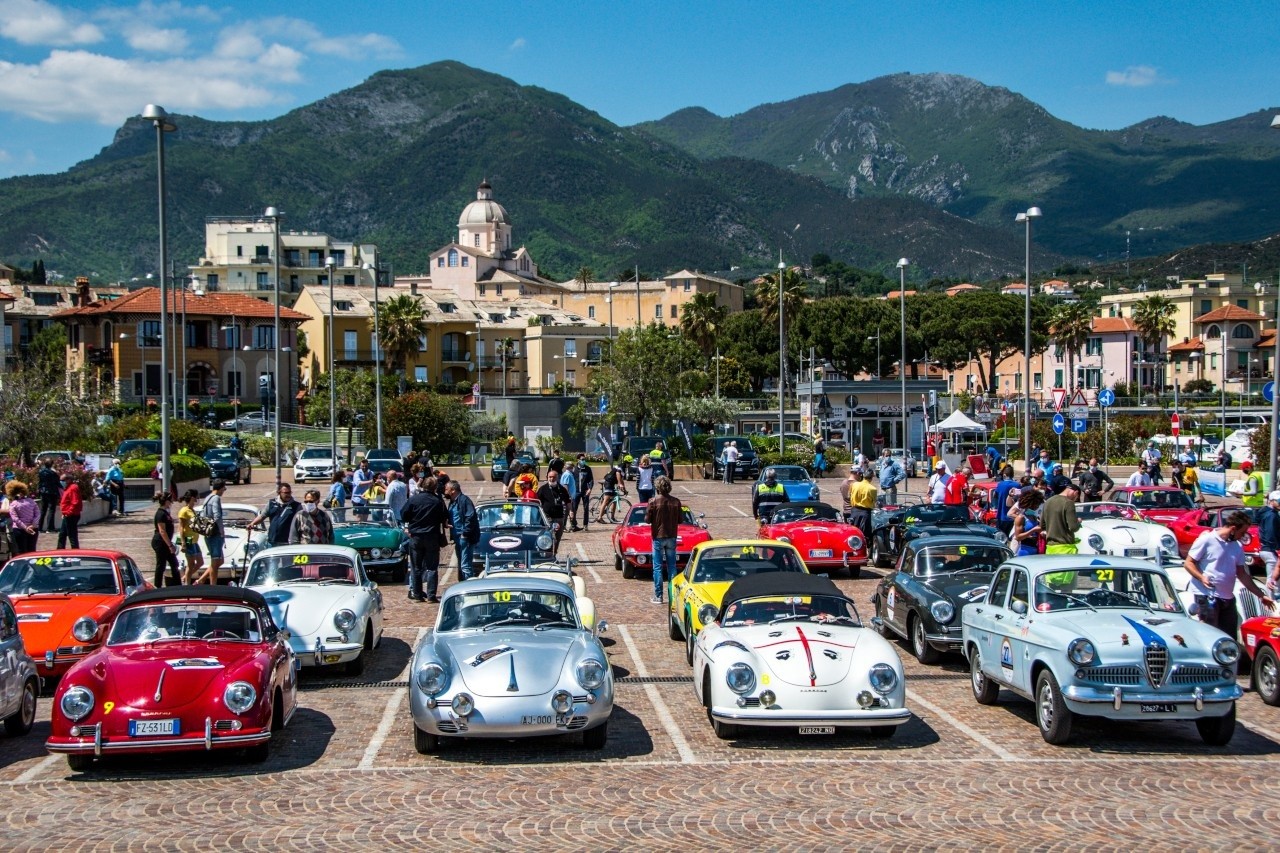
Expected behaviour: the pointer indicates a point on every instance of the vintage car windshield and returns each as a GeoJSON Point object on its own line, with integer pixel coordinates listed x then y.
{"type": "Point", "coordinates": [522, 562]}
{"type": "Point", "coordinates": [1098, 587]}
{"type": "Point", "coordinates": [500, 608]}
{"type": "Point", "coordinates": [931, 513]}
{"type": "Point", "coordinates": [1122, 512]}
{"type": "Point", "coordinates": [790, 474]}
{"type": "Point", "coordinates": [1161, 499]}
{"type": "Point", "coordinates": [268, 569]}
{"type": "Point", "coordinates": [946, 559]}
{"type": "Point", "coordinates": [371, 515]}
{"type": "Point", "coordinates": [237, 519]}
{"type": "Point", "coordinates": [315, 453]}
{"type": "Point", "coordinates": [785, 513]}
{"type": "Point", "coordinates": [765, 610]}
{"type": "Point", "coordinates": [35, 575]}
{"type": "Point", "coordinates": [636, 518]}
{"type": "Point", "coordinates": [514, 514]}
{"type": "Point", "coordinates": [188, 620]}
{"type": "Point", "coordinates": [725, 563]}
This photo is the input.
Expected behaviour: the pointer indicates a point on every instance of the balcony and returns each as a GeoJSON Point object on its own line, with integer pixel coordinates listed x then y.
{"type": "Point", "coordinates": [455, 355]}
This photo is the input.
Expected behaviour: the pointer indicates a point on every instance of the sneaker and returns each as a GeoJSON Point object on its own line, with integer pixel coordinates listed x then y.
{"type": "Point", "coordinates": [655, 600]}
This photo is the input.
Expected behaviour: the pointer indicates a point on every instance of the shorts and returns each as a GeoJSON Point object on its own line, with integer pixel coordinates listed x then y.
{"type": "Point", "coordinates": [1062, 549]}
{"type": "Point", "coordinates": [214, 544]}
{"type": "Point", "coordinates": [191, 549]}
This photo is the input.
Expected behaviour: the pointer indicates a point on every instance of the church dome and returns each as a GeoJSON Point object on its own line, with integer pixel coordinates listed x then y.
{"type": "Point", "coordinates": [484, 210]}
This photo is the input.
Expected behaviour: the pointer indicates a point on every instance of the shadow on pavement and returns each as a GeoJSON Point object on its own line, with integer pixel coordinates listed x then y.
{"type": "Point", "coordinates": [627, 738]}
{"type": "Point", "coordinates": [913, 734]}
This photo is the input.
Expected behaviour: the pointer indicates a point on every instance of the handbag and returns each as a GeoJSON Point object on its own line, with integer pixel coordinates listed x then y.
{"type": "Point", "coordinates": [203, 524]}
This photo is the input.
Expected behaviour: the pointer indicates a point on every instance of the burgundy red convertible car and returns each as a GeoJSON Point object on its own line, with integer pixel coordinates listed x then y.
{"type": "Point", "coordinates": [822, 537]}
{"type": "Point", "coordinates": [1157, 503]}
{"type": "Point", "coordinates": [183, 668]}
{"type": "Point", "coordinates": [633, 541]}
{"type": "Point", "coordinates": [1188, 527]}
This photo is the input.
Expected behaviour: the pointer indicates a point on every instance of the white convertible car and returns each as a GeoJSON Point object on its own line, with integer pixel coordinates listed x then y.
{"type": "Point", "coordinates": [240, 544]}
{"type": "Point", "coordinates": [530, 565]}
{"type": "Point", "coordinates": [322, 596]}
{"type": "Point", "coordinates": [788, 650]}
{"type": "Point", "coordinates": [1119, 530]}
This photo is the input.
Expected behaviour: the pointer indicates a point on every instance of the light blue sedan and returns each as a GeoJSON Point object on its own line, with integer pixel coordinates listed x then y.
{"type": "Point", "coordinates": [795, 480]}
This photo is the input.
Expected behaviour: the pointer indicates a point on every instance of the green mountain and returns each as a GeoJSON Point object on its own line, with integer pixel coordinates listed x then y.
{"type": "Point", "coordinates": [394, 160]}
{"type": "Point", "coordinates": [984, 153]}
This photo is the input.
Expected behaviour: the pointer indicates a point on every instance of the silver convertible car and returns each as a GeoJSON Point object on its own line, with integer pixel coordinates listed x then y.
{"type": "Point", "coordinates": [509, 657]}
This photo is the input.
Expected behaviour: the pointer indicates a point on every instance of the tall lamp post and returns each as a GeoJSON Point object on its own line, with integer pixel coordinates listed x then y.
{"type": "Point", "coordinates": [782, 360]}
{"type": "Point", "coordinates": [160, 121]}
{"type": "Point", "coordinates": [1026, 217]}
{"type": "Point", "coordinates": [274, 215]}
{"type": "Point", "coordinates": [377, 350]}
{"type": "Point", "coordinates": [331, 266]}
{"type": "Point", "coordinates": [608, 300]}
{"type": "Point", "coordinates": [1275, 375]}
{"type": "Point", "coordinates": [876, 338]}
{"type": "Point", "coordinates": [903, 263]}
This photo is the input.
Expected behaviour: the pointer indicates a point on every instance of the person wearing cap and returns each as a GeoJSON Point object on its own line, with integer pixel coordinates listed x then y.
{"type": "Point", "coordinates": [1254, 494]}
{"type": "Point", "coordinates": [936, 488]}
{"type": "Point", "coordinates": [1057, 479]}
{"type": "Point", "coordinates": [768, 496]}
{"type": "Point", "coordinates": [215, 540]}
{"type": "Point", "coordinates": [1151, 458]}
{"type": "Point", "coordinates": [1058, 516]}
{"type": "Point", "coordinates": [1268, 520]}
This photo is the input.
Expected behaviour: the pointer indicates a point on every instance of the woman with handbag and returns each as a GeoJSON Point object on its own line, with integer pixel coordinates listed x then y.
{"type": "Point", "coordinates": [162, 543]}
{"type": "Point", "coordinates": [1026, 524]}
{"type": "Point", "coordinates": [210, 518]}
{"type": "Point", "coordinates": [193, 558]}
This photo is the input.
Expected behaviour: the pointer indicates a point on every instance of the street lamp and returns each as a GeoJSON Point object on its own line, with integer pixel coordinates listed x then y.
{"type": "Point", "coordinates": [563, 370]}
{"type": "Point", "coordinates": [903, 263]}
{"type": "Point", "coordinates": [1030, 214]}
{"type": "Point", "coordinates": [608, 300]}
{"type": "Point", "coordinates": [274, 215]}
{"type": "Point", "coordinates": [160, 120]}
{"type": "Point", "coordinates": [377, 351]}
{"type": "Point", "coordinates": [876, 338]}
{"type": "Point", "coordinates": [331, 265]}
{"type": "Point", "coordinates": [717, 359]}
{"type": "Point", "coordinates": [782, 360]}
{"type": "Point", "coordinates": [1275, 374]}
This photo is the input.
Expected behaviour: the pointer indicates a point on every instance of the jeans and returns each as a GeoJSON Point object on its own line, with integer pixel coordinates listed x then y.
{"type": "Point", "coordinates": [1218, 612]}
{"type": "Point", "coordinates": [425, 565]}
{"type": "Point", "coordinates": [664, 564]}
{"type": "Point", "coordinates": [70, 531]}
{"type": "Point", "coordinates": [643, 495]}
{"type": "Point", "coordinates": [729, 472]}
{"type": "Point", "coordinates": [49, 510]}
{"type": "Point", "coordinates": [583, 498]}
{"type": "Point", "coordinates": [464, 551]}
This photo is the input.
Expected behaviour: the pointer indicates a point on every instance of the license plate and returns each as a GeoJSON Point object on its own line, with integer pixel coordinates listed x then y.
{"type": "Point", "coordinates": [1135, 552]}
{"type": "Point", "coordinates": [1161, 708]}
{"type": "Point", "coordinates": [824, 552]}
{"type": "Point", "coordinates": [544, 720]}
{"type": "Point", "coordinates": [817, 730]}
{"type": "Point", "coordinates": [145, 728]}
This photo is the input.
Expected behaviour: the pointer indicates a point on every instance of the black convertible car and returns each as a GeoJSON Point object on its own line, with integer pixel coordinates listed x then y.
{"type": "Point", "coordinates": [892, 529]}
{"type": "Point", "coordinates": [511, 527]}
{"type": "Point", "coordinates": [936, 577]}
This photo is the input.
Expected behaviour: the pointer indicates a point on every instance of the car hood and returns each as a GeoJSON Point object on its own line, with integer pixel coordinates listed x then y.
{"type": "Point", "coordinates": [510, 661]}
{"type": "Point", "coordinates": [1125, 534]}
{"type": "Point", "coordinates": [307, 609]}
{"type": "Point", "coordinates": [1119, 634]}
{"type": "Point", "coordinates": [798, 491]}
{"type": "Point", "coordinates": [367, 536]}
{"type": "Point", "coordinates": [1164, 516]}
{"type": "Point", "coordinates": [640, 537]}
{"type": "Point", "coordinates": [803, 654]}
{"type": "Point", "coordinates": [960, 588]}
{"type": "Point", "coordinates": [816, 530]}
{"type": "Point", "coordinates": [950, 527]}
{"type": "Point", "coordinates": [193, 671]}
{"type": "Point", "coordinates": [46, 620]}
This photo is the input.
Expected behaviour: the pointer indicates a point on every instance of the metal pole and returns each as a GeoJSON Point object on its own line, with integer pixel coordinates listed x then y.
{"type": "Point", "coordinates": [782, 360]}
{"type": "Point", "coordinates": [1031, 213]}
{"type": "Point", "coordinates": [184, 342]}
{"type": "Point", "coordinates": [331, 265]}
{"type": "Point", "coordinates": [637, 294]}
{"type": "Point", "coordinates": [274, 214]}
{"type": "Point", "coordinates": [1275, 395]}
{"type": "Point", "coordinates": [1222, 382]}
{"type": "Point", "coordinates": [160, 121]}
{"type": "Point", "coordinates": [902, 351]}
{"type": "Point", "coordinates": [377, 352]}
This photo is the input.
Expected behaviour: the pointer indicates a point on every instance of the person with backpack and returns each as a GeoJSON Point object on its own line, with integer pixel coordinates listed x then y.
{"type": "Point", "coordinates": [465, 525]}
{"type": "Point", "coordinates": [49, 490]}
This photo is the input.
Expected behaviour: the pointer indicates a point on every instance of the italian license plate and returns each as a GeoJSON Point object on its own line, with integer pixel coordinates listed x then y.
{"type": "Point", "coordinates": [537, 720]}
{"type": "Point", "coordinates": [1135, 552]}
{"type": "Point", "coordinates": [146, 728]}
{"type": "Point", "coordinates": [819, 553]}
{"type": "Point", "coordinates": [817, 730]}
{"type": "Point", "coordinates": [1158, 708]}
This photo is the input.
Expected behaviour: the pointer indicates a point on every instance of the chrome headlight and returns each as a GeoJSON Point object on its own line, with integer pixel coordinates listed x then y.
{"type": "Point", "coordinates": [854, 542]}
{"type": "Point", "coordinates": [1246, 539]}
{"type": "Point", "coordinates": [740, 677]}
{"type": "Point", "coordinates": [562, 702]}
{"type": "Point", "coordinates": [707, 613]}
{"type": "Point", "coordinates": [883, 678]}
{"type": "Point", "coordinates": [77, 702]}
{"type": "Point", "coordinates": [943, 611]}
{"type": "Point", "coordinates": [786, 539]}
{"type": "Point", "coordinates": [85, 629]}
{"type": "Point", "coordinates": [251, 548]}
{"type": "Point", "coordinates": [1081, 652]}
{"type": "Point", "coordinates": [1096, 543]}
{"type": "Point", "coordinates": [432, 679]}
{"type": "Point", "coordinates": [344, 620]}
{"type": "Point", "coordinates": [545, 542]}
{"type": "Point", "coordinates": [1225, 651]}
{"type": "Point", "coordinates": [239, 696]}
{"type": "Point", "coordinates": [590, 673]}
{"type": "Point", "coordinates": [1169, 545]}
{"type": "Point", "coordinates": [375, 553]}
{"type": "Point", "coordinates": [463, 704]}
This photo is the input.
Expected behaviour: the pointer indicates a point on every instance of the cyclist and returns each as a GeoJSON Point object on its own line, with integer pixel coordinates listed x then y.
{"type": "Point", "coordinates": [612, 484]}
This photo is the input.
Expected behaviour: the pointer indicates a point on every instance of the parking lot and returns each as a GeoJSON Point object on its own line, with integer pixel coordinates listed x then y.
{"type": "Point", "coordinates": [957, 775]}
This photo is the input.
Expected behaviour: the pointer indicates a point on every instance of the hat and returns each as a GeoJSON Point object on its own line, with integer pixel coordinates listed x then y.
{"type": "Point", "coordinates": [1274, 496]}
{"type": "Point", "coordinates": [941, 466]}
{"type": "Point", "coordinates": [1246, 465]}
{"type": "Point", "coordinates": [1062, 487]}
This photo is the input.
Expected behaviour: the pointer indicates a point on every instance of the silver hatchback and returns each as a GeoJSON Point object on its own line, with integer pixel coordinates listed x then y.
{"type": "Point", "coordinates": [19, 684]}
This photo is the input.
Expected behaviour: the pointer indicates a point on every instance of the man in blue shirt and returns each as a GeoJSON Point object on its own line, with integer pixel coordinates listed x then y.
{"type": "Point", "coordinates": [1001, 498]}
{"type": "Point", "coordinates": [1044, 463]}
{"type": "Point", "coordinates": [891, 474]}
{"type": "Point", "coordinates": [1268, 520]}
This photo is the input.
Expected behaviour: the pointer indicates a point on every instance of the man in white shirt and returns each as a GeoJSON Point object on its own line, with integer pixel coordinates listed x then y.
{"type": "Point", "coordinates": [1151, 458]}
{"type": "Point", "coordinates": [1139, 477]}
{"type": "Point", "coordinates": [731, 456]}
{"type": "Point", "coordinates": [937, 486]}
{"type": "Point", "coordinates": [397, 494]}
{"type": "Point", "coordinates": [1215, 562]}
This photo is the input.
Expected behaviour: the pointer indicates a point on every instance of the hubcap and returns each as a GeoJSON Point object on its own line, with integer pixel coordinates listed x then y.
{"type": "Point", "coordinates": [918, 635]}
{"type": "Point", "coordinates": [28, 705]}
{"type": "Point", "coordinates": [1046, 707]}
{"type": "Point", "coordinates": [1267, 676]}
{"type": "Point", "coordinates": [975, 672]}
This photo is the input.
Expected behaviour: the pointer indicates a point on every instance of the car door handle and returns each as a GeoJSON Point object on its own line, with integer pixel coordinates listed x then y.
{"type": "Point", "coordinates": [977, 610]}
{"type": "Point", "coordinates": [998, 616]}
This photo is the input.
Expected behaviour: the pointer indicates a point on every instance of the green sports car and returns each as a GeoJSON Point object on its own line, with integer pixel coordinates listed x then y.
{"type": "Point", "coordinates": [376, 535]}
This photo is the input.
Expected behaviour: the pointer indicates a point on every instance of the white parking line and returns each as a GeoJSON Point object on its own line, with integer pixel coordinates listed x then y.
{"type": "Point", "coordinates": [981, 739]}
{"type": "Point", "coordinates": [655, 699]}
{"type": "Point", "coordinates": [738, 511]}
{"type": "Point", "coordinates": [34, 772]}
{"type": "Point", "coordinates": [391, 712]}
{"type": "Point", "coordinates": [1265, 732]}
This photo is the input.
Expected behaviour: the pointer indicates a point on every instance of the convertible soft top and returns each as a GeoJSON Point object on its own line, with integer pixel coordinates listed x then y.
{"type": "Point", "coordinates": [779, 583]}
{"type": "Point", "coordinates": [236, 594]}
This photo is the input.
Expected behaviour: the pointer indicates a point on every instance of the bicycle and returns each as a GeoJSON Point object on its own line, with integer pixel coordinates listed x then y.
{"type": "Point", "coordinates": [601, 503]}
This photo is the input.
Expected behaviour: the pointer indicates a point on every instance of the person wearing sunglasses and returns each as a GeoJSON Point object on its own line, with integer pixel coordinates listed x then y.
{"type": "Point", "coordinates": [1215, 562]}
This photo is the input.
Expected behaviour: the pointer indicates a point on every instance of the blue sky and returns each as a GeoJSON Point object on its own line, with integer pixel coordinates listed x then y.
{"type": "Point", "coordinates": [71, 72]}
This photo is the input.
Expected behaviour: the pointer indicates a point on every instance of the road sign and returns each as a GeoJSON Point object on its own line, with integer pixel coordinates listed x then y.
{"type": "Point", "coordinates": [1079, 424]}
{"type": "Point", "coordinates": [1059, 423]}
{"type": "Point", "coordinates": [1059, 397]}
{"type": "Point", "coordinates": [1078, 409]}
{"type": "Point", "coordinates": [1175, 424]}
{"type": "Point", "coordinates": [1269, 392]}
{"type": "Point", "coordinates": [1106, 398]}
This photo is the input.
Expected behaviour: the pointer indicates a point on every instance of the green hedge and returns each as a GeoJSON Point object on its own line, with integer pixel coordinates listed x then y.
{"type": "Point", "coordinates": [186, 468]}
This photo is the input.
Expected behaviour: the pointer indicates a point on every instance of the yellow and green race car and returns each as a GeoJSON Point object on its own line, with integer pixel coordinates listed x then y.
{"type": "Point", "coordinates": [694, 594]}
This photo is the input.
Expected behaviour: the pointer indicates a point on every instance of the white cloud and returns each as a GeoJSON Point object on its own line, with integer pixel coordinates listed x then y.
{"type": "Point", "coordinates": [516, 45]}
{"type": "Point", "coordinates": [1135, 76]}
{"type": "Point", "coordinates": [37, 22]}
{"type": "Point", "coordinates": [5, 156]}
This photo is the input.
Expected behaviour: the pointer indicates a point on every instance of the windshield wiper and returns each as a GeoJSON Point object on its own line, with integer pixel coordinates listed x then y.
{"type": "Point", "coordinates": [566, 623]}
{"type": "Point", "coordinates": [1132, 597]}
{"type": "Point", "coordinates": [1078, 598]}
{"type": "Point", "coordinates": [508, 621]}
{"type": "Point", "coordinates": [301, 580]}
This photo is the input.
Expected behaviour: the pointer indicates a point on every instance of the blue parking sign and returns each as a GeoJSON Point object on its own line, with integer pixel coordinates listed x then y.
{"type": "Point", "coordinates": [1079, 424]}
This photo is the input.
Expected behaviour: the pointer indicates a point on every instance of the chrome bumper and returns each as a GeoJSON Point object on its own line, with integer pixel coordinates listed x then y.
{"type": "Point", "coordinates": [765, 717]}
{"type": "Point", "coordinates": [1117, 697]}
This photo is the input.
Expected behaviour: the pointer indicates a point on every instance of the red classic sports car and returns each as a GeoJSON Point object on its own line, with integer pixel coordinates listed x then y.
{"type": "Point", "coordinates": [633, 541]}
{"type": "Point", "coordinates": [1157, 503]}
{"type": "Point", "coordinates": [820, 535]}
{"type": "Point", "coordinates": [182, 668]}
{"type": "Point", "coordinates": [1261, 636]}
{"type": "Point", "coordinates": [66, 601]}
{"type": "Point", "coordinates": [1188, 527]}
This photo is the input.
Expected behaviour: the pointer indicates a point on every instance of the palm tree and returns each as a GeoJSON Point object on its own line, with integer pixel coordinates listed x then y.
{"type": "Point", "coordinates": [794, 292]}
{"type": "Point", "coordinates": [403, 327]}
{"type": "Point", "coordinates": [1154, 319]}
{"type": "Point", "coordinates": [701, 321]}
{"type": "Point", "coordinates": [584, 276]}
{"type": "Point", "coordinates": [1072, 324]}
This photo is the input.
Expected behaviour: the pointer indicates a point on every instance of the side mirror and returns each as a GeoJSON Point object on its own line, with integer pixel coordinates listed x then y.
{"type": "Point", "coordinates": [602, 627]}
{"type": "Point", "coordinates": [285, 634]}
{"type": "Point", "coordinates": [1019, 607]}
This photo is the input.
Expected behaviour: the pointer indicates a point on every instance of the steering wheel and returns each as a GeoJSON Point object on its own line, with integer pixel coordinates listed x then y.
{"type": "Point", "coordinates": [215, 635]}
{"type": "Point", "coordinates": [1099, 596]}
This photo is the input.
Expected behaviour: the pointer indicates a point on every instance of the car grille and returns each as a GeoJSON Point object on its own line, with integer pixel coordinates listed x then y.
{"type": "Point", "coordinates": [1199, 675]}
{"type": "Point", "coordinates": [750, 702]}
{"type": "Point", "coordinates": [1129, 676]}
{"type": "Point", "coordinates": [576, 723]}
{"type": "Point", "coordinates": [225, 726]}
{"type": "Point", "coordinates": [1156, 658]}
{"type": "Point", "coordinates": [452, 726]}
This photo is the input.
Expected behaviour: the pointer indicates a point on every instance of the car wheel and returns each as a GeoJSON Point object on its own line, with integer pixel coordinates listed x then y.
{"type": "Point", "coordinates": [673, 627]}
{"type": "Point", "coordinates": [259, 753]}
{"type": "Point", "coordinates": [724, 731]}
{"type": "Point", "coordinates": [248, 475]}
{"type": "Point", "coordinates": [985, 691]}
{"type": "Point", "coordinates": [79, 763]}
{"type": "Point", "coordinates": [920, 647]}
{"type": "Point", "coordinates": [688, 641]}
{"type": "Point", "coordinates": [617, 562]}
{"type": "Point", "coordinates": [22, 719]}
{"type": "Point", "coordinates": [399, 573]}
{"type": "Point", "coordinates": [877, 556]}
{"type": "Point", "coordinates": [425, 742]}
{"type": "Point", "coordinates": [881, 732]}
{"type": "Point", "coordinates": [1052, 713]}
{"type": "Point", "coordinates": [1217, 731]}
{"type": "Point", "coordinates": [356, 667]}
{"type": "Point", "coordinates": [596, 738]}
{"type": "Point", "coordinates": [855, 572]}
{"type": "Point", "coordinates": [1266, 675]}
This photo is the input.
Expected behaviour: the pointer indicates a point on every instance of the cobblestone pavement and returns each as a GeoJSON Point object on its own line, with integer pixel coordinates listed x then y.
{"type": "Point", "coordinates": [957, 775]}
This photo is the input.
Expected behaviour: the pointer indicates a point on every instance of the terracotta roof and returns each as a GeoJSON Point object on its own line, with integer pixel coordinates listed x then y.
{"type": "Point", "coordinates": [4, 297]}
{"type": "Point", "coordinates": [1228, 312]}
{"type": "Point", "coordinates": [147, 301]}
{"type": "Point", "coordinates": [1105, 325]}
{"type": "Point", "coordinates": [961, 288]}
{"type": "Point", "coordinates": [1193, 345]}
{"type": "Point", "coordinates": [1266, 340]}
{"type": "Point", "coordinates": [893, 294]}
